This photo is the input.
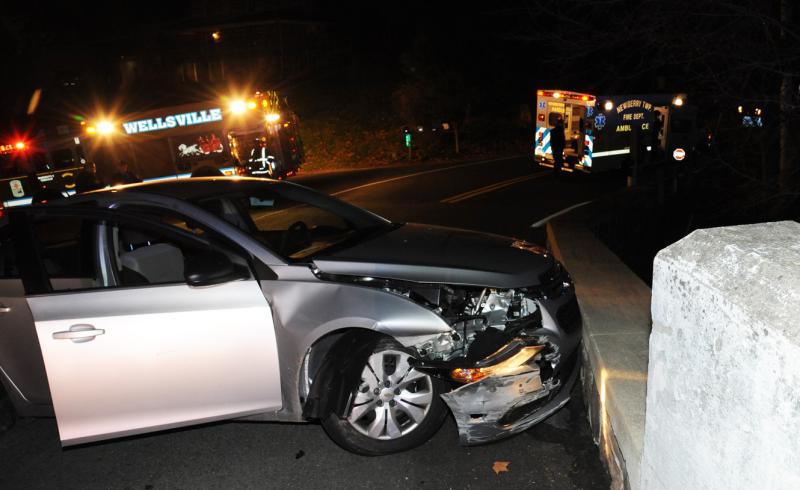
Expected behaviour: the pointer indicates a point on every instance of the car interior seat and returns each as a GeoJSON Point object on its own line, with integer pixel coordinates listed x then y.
{"type": "Point", "coordinates": [144, 261]}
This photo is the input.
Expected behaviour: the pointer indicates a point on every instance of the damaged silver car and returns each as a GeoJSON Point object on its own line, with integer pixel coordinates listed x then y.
{"type": "Point", "coordinates": [160, 305]}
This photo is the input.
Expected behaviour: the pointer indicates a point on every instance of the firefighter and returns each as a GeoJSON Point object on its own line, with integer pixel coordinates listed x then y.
{"type": "Point", "coordinates": [87, 179]}
{"type": "Point", "coordinates": [656, 153]}
{"type": "Point", "coordinates": [557, 142]}
{"type": "Point", "coordinates": [124, 175]}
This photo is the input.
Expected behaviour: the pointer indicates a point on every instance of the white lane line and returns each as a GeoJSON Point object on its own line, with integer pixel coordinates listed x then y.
{"type": "Point", "coordinates": [424, 172]}
{"type": "Point", "coordinates": [544, 221]}
{"type": "Point", "coordinates": [491, 188]}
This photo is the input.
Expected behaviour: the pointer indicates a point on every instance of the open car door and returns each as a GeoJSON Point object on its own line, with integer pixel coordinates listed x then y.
{"type": "Point", "coordinates": [143, 326]}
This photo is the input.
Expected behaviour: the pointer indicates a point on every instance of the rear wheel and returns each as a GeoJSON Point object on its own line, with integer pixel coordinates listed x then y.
{"type": "Point", "coordinates": [393, 408]}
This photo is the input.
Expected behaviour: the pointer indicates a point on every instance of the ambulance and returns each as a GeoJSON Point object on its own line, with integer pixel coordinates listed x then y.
{"type": "Point", "coordinates": [609, 132]}
{"type": "Point", "coordinates": [574, 108]}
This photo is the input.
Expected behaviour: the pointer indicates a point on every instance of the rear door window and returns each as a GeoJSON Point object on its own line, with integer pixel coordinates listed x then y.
{"type": "Point", "coordinates": [66, 246]}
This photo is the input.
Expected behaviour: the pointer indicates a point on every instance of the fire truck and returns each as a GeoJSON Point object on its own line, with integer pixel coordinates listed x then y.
{"type": "Point", "coordinates": [30, 165]}
{"type": "Point", "coordinates": [256, 135]}
{"type": "Point", "coordinates": [609, 132]}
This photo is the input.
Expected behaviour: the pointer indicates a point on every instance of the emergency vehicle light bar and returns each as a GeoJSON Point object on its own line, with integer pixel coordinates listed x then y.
{"type": "Point", "coordinates": [561, 94]}
{"type": "Point", "coordinates": [13, 147]}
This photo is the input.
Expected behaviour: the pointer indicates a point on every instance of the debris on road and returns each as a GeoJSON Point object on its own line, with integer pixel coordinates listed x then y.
{"type": "Point", "coordinates": [500, 467]}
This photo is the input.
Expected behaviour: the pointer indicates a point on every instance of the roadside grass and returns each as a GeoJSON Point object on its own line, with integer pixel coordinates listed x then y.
{"type": "Point", "coordinates": [358, 128]}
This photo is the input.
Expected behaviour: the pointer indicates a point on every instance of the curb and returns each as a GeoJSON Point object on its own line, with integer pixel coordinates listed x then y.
{"type": "Point", "coordinates": [615, 305]}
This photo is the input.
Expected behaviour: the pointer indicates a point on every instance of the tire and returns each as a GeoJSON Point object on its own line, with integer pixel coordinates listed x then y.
{"type": "Point", "coordinates": [397, 417]}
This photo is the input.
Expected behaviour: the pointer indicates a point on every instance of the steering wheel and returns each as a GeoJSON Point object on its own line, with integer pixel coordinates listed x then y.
{"type": "Point", "coordinates": [297, 237]}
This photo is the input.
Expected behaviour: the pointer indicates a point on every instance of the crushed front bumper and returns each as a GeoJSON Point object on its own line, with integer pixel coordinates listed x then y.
{"type": "Point", "coordinates": [498, 407]}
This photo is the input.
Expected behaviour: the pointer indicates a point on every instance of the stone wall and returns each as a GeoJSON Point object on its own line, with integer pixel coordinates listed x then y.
{"type": "Point", "coordinates": [723, 394]}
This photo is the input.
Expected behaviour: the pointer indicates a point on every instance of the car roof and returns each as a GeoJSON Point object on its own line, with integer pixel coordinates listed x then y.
{"type": "Point", "coordinates": [190, 188]}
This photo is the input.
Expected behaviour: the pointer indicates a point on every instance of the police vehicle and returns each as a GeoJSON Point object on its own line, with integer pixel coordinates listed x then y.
{"type": "Point", "coordinates": [32, 165]}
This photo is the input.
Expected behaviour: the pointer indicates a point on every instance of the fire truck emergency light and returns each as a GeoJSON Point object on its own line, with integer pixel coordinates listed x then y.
{"type": "Point", "coordinates": [105, 127]}
{"type": "Point", "coordinates": [237, 106]}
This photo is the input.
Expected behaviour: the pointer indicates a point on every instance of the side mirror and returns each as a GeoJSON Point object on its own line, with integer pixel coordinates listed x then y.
{"type": "Point", "coordinates": [211, 268]}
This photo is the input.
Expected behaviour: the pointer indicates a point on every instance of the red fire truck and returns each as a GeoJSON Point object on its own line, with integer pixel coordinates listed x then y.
{"type": "Point", "coordinates": [256, 135]}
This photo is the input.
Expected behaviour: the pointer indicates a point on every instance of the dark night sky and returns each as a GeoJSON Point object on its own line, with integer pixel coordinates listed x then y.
{"type": "Point", "coordinates": [494, 53]}
{"type": "Point", "coordinates": [469, 39]}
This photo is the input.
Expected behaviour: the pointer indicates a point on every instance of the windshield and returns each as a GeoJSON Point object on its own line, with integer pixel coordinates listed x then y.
{"type": "Point", "coordinates": [295, 222]}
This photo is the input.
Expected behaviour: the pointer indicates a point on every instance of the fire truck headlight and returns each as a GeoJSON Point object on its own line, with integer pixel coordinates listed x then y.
{"type": "Point", "coordinates": [105, 127]}
{"type": "Point", "coordinates": [237, 106]}
{"type": "Point", "coordinates": [608, 105]}
{"type": "Point", "coordinates": [272, 117]}
{"type": "Point", "coordinates": [251, 104]}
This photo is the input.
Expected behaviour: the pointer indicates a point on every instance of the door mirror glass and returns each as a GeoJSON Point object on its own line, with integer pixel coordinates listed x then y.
{"type": "Point", "coordinates": [211, 267]}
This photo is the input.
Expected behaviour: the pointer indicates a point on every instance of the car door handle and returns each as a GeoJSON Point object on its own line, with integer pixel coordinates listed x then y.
{"type": "Point", "coordinates": [79, 333]}
{"type": "Point", "coordinates": [4, 308]}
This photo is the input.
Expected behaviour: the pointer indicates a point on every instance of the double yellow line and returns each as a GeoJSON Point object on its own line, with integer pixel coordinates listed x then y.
{"type": "Point", "coordinates": [492, 187]}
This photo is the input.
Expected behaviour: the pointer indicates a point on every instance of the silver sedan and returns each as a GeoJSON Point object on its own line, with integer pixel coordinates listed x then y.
{"type": "Point", "coordinates": [160, 305]}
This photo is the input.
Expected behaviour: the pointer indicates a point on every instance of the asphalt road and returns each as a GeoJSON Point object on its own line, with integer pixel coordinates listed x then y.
{"type": "Point", "coordinates": [499, 196]}
{"type": "Point", "coordinates": [502, 196]}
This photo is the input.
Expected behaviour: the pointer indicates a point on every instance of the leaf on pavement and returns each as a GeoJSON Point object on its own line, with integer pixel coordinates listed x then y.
{"type": "Point", "coordinates": [500, 466]}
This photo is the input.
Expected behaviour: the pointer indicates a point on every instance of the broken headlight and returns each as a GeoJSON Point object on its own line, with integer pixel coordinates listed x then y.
{"type": "Point", "coordinates": [515, 358]}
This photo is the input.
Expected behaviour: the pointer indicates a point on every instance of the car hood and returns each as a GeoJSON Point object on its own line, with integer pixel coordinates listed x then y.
{"type": "Point", "coordinates": [427, 253]}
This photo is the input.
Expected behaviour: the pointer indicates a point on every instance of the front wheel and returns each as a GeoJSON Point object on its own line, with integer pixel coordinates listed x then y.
{"type": "Point", "coordinates": [393, 408]}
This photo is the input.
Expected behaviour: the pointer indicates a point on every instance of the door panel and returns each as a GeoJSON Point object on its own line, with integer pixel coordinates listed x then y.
{"type": "Point", "coordinates": [156, 357]}
{"type": "Point", "coordinates": [20, 358]}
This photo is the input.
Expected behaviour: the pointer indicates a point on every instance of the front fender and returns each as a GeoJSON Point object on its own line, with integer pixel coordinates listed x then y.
{"type": "Point", "coordinates": [307, 310]}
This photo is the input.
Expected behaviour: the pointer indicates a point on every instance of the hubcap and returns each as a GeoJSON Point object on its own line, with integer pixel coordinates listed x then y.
{"type": "Point", "coordinates": [392, 399]}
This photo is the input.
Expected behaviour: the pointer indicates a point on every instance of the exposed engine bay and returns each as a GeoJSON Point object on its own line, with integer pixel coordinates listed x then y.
{"type": "Point", "coordinates": [482, 319]}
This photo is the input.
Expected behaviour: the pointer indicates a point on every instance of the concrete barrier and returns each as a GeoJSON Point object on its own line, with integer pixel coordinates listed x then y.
{"type": "Point", "coordinates": [723, 401]}
{"type": "Point", "coordinates": [615, 305]}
